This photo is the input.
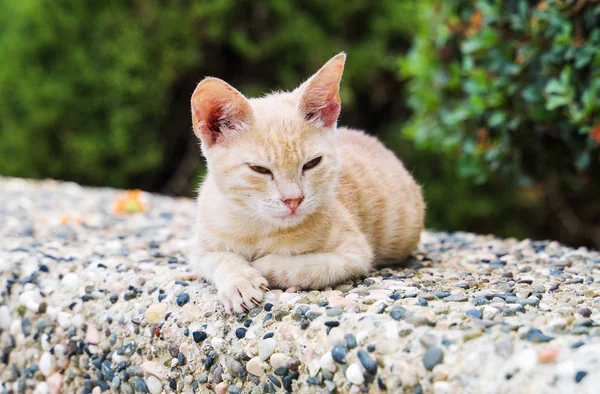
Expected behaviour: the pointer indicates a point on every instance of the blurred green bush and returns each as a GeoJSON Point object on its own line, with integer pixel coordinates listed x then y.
{"type": "Point", "coordinates": [511, 90]}
{"type": "Point", "coordinates": [98, 92]}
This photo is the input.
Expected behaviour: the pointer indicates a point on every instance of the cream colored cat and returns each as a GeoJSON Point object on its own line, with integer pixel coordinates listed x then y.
{"type": "Point", "coordinates": [290, 200]}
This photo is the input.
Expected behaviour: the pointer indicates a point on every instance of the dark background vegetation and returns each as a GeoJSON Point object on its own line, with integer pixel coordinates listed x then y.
{"type": "Point", "coordinates": [493, 105]}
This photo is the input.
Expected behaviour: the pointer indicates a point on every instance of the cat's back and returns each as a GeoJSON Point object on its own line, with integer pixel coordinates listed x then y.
{"type": "Point", "coordinates": [380, 194]}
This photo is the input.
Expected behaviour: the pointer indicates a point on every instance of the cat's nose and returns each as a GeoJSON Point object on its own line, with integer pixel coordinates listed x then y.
{"type": "Point", "coordinates": [292, 203]}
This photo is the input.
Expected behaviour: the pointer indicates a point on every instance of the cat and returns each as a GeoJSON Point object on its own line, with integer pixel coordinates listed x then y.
{"type": "Point", "coordinates": [289, 199]}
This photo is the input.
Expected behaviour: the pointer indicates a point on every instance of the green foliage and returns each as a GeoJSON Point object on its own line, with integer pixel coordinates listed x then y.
{"type": "Point", "coordinates": [510, 90]}
{"type": "Point", "coordinates": [513, 87]}
{"type": "Point", "coordinates": [97, 92]}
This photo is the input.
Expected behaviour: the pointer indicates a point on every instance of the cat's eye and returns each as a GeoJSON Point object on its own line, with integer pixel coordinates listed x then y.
{"type": "Point", "coordinates": [312, 163]}
{"type": "Point", "coordinates": [260, 170]}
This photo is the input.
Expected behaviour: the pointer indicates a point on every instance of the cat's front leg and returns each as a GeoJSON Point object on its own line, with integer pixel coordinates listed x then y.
{"type": "Point", "coordinates": [239, 286]}
{"type": "Point", "coordinates": [315, 270]}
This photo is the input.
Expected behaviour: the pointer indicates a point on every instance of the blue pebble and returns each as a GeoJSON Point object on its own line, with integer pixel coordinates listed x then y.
{"type": "Point", "coordinates": [398, 313]}
{"type": "Point", "coordinates": [281, 371]}
{"type": "Point", "coordinates": [536, 336]}
{"type": "Point", "coordinates": [199, 336]}
{"type": "Point", "coordinates": [580, 375]}
{"type": "Point", "coordinates": [181, 359]}
{"type": "Point", "coordinates": [161, 297]}
{"type": "Point", "coordinates": [478, 301]}
{"type": "Point", "coordinates": [367, 362]}
{"type": "Point", "coordinates": [474, 313]}
{"type": "Point", "coordinates": [338, 353]}
{"type": "Point", "coordinates": [107, 371]}
{"type": "Point", "coordinates": [350, 341]}
{"type": "Point", "coordinates": [240, 332]}
{"type": "Point", "coordinates": [183, 299]}
{"type": "Point", "coordinates": [577, 345]}
{"type": "Point", "coordinates": [268, 335]}
{"type": "Point", "coordinates": [140, 385]}
{"type": "Point", "coordinates": [186, 332]}
{"type": "Point", "coordinates": [422, 301]}
{"type": "Point", "coordinates": [268, 306]}
{"type": "Point", "coordinates": [275, 381]}
{"type": "Point", "coordinates": [395, 297]}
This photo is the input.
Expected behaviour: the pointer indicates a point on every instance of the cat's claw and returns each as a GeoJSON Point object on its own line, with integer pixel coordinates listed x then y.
{"type": "Point", "coordinates": [241, 293]}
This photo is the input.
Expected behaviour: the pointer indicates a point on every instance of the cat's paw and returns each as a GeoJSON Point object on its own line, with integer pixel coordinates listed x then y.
{"type": "Point", "coordinates": [275, 269]}
{"type": "Point", "coordinates": [241, 292]}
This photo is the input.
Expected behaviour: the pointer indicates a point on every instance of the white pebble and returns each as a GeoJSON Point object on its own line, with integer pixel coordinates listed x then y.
{"type": "Point", "coordinates": [46, 364]}
{"type": "Point", "coordinates": [314, 367]}
{"type": "Point", "coordinates": [31, 299]}
{"type": "Point", "coordinates": [42, 388]}
{"type": "Point", "coordinates": [255, 366]}
{"type": "Point", "coordinates": [65, 320]}
{"type": "Point", "coordinates": [354, 375]}
{"type": "Point", "coordinates": [336, 336]}
{"type": "Point", "coordinates": [71, 280]}
{"type": "Point", "coordinates": [154, 385]}
{"type": "Point", "coordinates": [5, 318]}
{"type": "Point", "coordinates": [489, 312]}
{"type": "Point", "coordinates": [277, 360]}
{"type": "Point", "coordinates": [216, 343]}
{"type": "Point", "coordinates": [78, 320]}
{"type": "Point", "coordinates": [266, 348]}
{"type": "Point", "coordinates": [441, 388]}
{"type": "Point", "coordinates": [327, 362]}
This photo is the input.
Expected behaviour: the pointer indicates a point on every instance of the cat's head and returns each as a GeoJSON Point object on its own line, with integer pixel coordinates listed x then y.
{"type": "Point", "coordinates": [275, 158]}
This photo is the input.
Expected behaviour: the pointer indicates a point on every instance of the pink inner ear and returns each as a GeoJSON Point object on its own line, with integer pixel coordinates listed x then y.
{"type": "Point", "coordinates": [327, 114]}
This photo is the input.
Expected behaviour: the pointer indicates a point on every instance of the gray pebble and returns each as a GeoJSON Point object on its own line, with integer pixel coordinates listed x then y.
{"type": "Point", "coordinates": [432, 357]}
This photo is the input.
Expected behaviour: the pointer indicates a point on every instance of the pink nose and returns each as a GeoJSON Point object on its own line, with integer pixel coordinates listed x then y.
{"type": "Point", "coordinates": [293, 203]}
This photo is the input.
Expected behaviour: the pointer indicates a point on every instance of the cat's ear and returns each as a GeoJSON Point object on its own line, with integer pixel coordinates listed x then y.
{"type": "Point", "coordinates": [320, 95]}
{"type": "Point", "coordinates": [217, 110]}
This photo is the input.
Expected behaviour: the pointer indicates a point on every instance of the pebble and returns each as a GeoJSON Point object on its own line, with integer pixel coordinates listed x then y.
{"type": "Point", "coordinates": [474, 313]}
{"type": "Point", "coordinates": [255, 366]}
{"type": "Point", "coordinates": [335, 311]}
{"type": "Point", "coordinates": [350, 341]}
{"type": "Point", "coordinates": [277, 360]}
{"type": "Point", "coordinates": [92, 335]}
{"type": "Point", "coordinates": [536, 336]}
{"type": "Point", "coordinates": [222, 388]}
{"type": "Point", "coordinates": [240, 332]}
{"type": "Point", "coordinates": [5, 317]}
{"type": "Point", "coordinates": [91, 312]}
{"type": "Point", "coordinates": [354, 375]}
{"type": "Point", "coordinates": [266, 347]}
{"type": "Point", "coordinates": [432, 357]}
{"type": "Point", "coordinates": [456, 298]}
{"type": "Point", "coordinates": [199, 336]}
{"type": "Point", "coordinates": [580, 375]}
{"type": "Point", "coordinates": [338, 353]}
{"type": "Point", "coordinates": [155, 313]}
{"type": "Point", "coordinates": [46, 364]}
{"type": "Point", "coordinates": [183, 299]}
{"type": "Point", "coordinates": [154, 385]}
{"type": "Point", "coordinates": [367, 362]}
{"type": "Point", "coordinates": [140, 385]}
